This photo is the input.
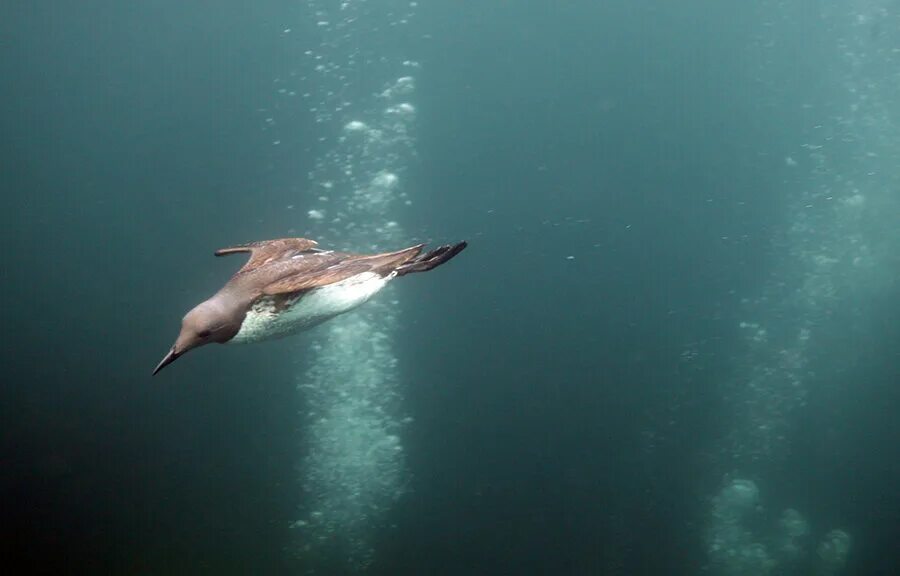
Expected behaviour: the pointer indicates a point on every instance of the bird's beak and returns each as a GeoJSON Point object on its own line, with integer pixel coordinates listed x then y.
{"type": "Point", "coordinates": [167, 359]}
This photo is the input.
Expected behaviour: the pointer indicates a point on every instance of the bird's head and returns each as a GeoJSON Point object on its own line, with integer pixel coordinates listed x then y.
{"type": "Point", "coordinates": [208, 322]}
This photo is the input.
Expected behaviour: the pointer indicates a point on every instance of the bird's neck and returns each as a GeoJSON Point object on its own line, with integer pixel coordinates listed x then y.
{"type": "Point", "coordinates": [230, 310]}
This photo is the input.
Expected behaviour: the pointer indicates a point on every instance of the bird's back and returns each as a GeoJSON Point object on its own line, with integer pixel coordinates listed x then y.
{"type": "Point", "coordinates": [296, 291]}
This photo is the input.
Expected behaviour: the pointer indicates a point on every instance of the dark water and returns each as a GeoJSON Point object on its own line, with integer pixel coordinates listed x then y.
{"type": "Point", "coordinates": [676, 319]}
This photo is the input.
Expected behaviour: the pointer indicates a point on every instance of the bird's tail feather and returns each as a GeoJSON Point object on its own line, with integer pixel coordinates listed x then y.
{"type": "Point", "coordinates": [431, 259]}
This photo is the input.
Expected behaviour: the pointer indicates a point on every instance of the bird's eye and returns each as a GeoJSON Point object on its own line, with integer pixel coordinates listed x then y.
{"type": "Point", "coordinates": [203, 333]}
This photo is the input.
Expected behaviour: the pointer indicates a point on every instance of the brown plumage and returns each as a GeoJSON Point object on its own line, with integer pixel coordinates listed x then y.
{"type": "Point", "coordinates": [281, 273]}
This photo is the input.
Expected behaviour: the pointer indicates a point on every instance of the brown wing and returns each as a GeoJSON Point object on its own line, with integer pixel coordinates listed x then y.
{"type": "Point", "coordinates": [266, 251]}
{"type": "Point", "coordinates": [335, 267]}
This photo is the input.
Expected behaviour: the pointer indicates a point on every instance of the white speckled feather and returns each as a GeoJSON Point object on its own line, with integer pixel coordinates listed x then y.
{"type": "Point", "coordinates": [263, 322]}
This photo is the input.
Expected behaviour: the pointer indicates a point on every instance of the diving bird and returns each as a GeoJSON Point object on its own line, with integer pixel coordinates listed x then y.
{"type": "Point", "coordinates": [289, 285]}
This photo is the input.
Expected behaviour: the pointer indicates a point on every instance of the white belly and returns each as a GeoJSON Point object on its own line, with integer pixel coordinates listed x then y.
{"type": "Point", "coordinates": [316, 306]}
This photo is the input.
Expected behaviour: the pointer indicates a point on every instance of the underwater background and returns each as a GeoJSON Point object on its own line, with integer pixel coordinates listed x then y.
{"type": "Point", "coordinates": [672, 346]}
